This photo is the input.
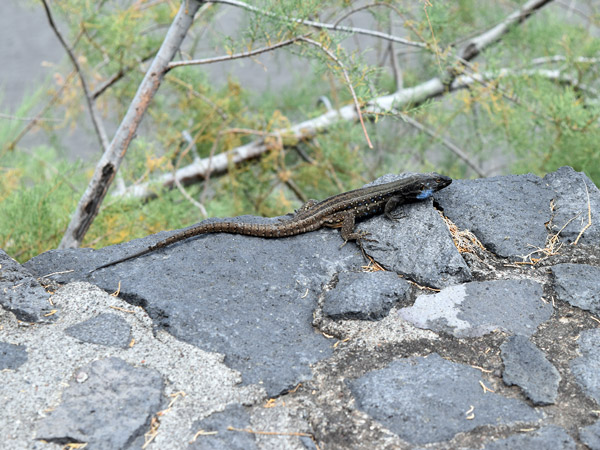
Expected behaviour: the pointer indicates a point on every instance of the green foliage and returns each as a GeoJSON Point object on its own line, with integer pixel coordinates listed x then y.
{"type": "Point", "coordinates": [517, 119]}
{"type": "Point", "coordinates": [11, 128]}
{"type": "Point", "coordinates": [123, 220]}
{"type": "Point", "coordinates": [36, 200]}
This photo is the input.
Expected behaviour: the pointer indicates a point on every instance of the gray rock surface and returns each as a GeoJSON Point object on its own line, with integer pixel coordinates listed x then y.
{"type": "Point", "coordinates": [478, 308]}
{"type": "Point", "coordinates": [225, 293]}
{"type": "Point", "coordinates": [526, 366]}
{"type": "Point", "coordinates": [586, 368]}
{"type": "Point", "coordinates": [578, 284]}
{"type": "Point", "coordinates": [197, 383]}
{"type": "Point", "coordinates": [12, 356]}
{"type": "Point", "coordinates": [416, 244]}
{"type": "Point", "coordinates": [104, 329]}
{"type": "Point", "coordinates": [364, 296]}
{"type": "Point", "coordinates": [590, 435]}
{"type": "Point", "coordinates": [109, 404]}
{"type": "Point", "coordinates": [22, 294]}
{"type": "Point", "coordinates": [572, 190]}
{"type": "Point", "coordinates": [550, 437]}
{"type": "Point", "coordinates": [238, 332]}
{"type": "Point", "coordinates": [426, 400]}
{"type": "Point", "coordinates": [508, 214]}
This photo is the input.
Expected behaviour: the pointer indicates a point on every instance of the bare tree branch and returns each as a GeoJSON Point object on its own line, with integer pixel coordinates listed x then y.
{"type": "Point", "coordinates": [562, 58]}
{"type": "Point", "coordinates": [116, 77]}
{"type": "Point", "coordinates": [572, 9]}
{"type": "Point", "coordinates": [325, 26]}
{"type": "Point", "coordinates": [553, 75]}
{"type": "Point", "coordinates": [107, 167]}
{"type": "Point", "coordinates": [11, 145]}
{"type": "Point", "coordinates": [96, 121]}
{"type": "Point", "coordinates": [28, 119]}
{"type": "Point", "coordinates": [348, 82]}
{"type": "Point", "coordinates": [396, 70]}
{"type": "Point", "coordinates": [308, 129]}
{"type": "Point", "coordinates": [305, 130]}
{"type": "Point", "coordinates": [258, 51]}
{"type": "Point", "coordinates": [447, 143]}
{"type": "Point", "coordinates": [299, 132]}
{"type": "Point", "coordinates": [474, 46]}
{"type": "Point", "coordinates": [367, 6]}
{"type": "Point", "coordinates": [188, 197]}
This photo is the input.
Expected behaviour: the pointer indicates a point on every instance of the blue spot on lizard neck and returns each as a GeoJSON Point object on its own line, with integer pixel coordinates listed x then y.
{"type": "Point", "coordinates": [425, 194]}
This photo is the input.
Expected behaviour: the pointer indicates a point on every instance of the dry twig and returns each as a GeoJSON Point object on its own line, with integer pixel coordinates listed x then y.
{"type": "Point", "coordinates": [274, 433]}
{"type": "Point", "coordinates": [324, 26]}
{"type": "Point", "coordinates": [553, 246]}
{"type": "Point", "coordinates": [96, 121]}
{"type": "Point", "coordinates": [446, 142]}
{"type": "Point", "coordinates": [348, 82]}
{"type": "Point", "coordinates": [464, 240]}
{"type": "Point", "coordinates": [258, 51]}
{"type": "Point", "coordinates": [38, 117]}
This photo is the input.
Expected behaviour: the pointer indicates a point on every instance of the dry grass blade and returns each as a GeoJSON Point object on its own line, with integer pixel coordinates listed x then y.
{"type": "Point", "coordinates": [275, 433]}
{"type": "Point", "coordinates": [464, 240]}
{"type": "Point", "coordinates": [553, 246]}
{"type": "Point", "coordinates": [589, 208]}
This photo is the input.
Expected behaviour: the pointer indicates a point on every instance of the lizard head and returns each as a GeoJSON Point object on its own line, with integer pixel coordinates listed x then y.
{"type": "Point", "coordinates": [432, 183]}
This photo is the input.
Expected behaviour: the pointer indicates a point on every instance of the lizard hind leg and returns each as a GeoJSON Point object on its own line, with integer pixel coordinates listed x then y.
{"type": "Point", "coordinates": [348, 233]}
{"type": "Point", "coordinates": [309, 204]}
{"type": "Point", "coordinates": [300, 212]}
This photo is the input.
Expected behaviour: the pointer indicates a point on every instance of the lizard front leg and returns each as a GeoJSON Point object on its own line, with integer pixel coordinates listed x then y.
{"type": "Point", "coordinates": [390, 205]}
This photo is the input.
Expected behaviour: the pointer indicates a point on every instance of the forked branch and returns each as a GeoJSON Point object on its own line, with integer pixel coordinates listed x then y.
{"type": "Point", "coordinates": [109, 163]}
{"type": "Point", "coordinates": [96, 121]}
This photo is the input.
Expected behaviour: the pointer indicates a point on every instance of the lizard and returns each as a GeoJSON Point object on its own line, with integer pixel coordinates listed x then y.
{"type": "Point", "coordinates": [338, 211]}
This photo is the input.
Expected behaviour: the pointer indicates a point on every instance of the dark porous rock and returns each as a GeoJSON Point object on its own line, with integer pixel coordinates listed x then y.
{"type": "Point", "coordinates": [258, 347]}
{"type": "Point", "coordinates": [507, 213]}
{"type": "Point", "coordinates": [586, 368]}
{"type": "Point", "coordinates": [12, 356]}
{"type": "Point", "coordinates": [21, 293]}
{"type": "Point", "coordinates": [364, 296]}
{"type": "Point", "coordinates": [590, 435]}
{"type": "Point", "coordinates": [109, 404]}
{"type": "Point", "coordinates": [526, 366]}
{"type": "Point", "coordinates": [104, 329]}
{"type": "Point", "coordinates": [571, 205]}
{"type": "Point", "coordinates": [579, 285]}
{"type": "Point", "coordinates": [423, 400]}
{"type": "Point", "coordinates": [74, 263]}
{"type": "Point", "coordinates": [218, 436]}
{"type": "Point", "coordinates": [550, 437]}
{"type": "Point", "coordinates": [416, 244]}
{"type": "Point", "coordinates": [248, 298]}
{"type": "Point", "coordinates": [475, 309]}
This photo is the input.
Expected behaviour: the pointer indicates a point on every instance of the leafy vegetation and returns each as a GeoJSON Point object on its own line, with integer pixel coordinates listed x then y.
{"type": "Point", "coordinates": [532, 107]}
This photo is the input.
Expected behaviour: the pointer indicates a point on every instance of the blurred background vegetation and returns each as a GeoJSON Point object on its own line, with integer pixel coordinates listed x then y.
{"type": "Point", "coordinates": [533, 109]}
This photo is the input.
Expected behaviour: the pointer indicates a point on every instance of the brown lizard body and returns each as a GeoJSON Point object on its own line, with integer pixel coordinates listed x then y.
{"type": "Point", "coordinates": [339, 211]}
